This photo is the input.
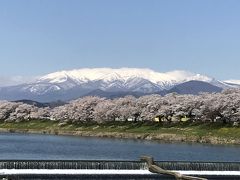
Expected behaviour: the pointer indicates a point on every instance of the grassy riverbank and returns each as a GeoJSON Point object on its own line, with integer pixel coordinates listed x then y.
{"type": "Point", "coordinates": [185, 132]}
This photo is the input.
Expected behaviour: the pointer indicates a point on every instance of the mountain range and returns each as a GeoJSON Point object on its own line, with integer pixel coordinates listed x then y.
{"type": "Point", "coordinates": [111, 83]}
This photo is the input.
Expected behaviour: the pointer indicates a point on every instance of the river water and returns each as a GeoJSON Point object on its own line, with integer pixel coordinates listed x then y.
{"type": "Point", "coordinates": [35, 146]}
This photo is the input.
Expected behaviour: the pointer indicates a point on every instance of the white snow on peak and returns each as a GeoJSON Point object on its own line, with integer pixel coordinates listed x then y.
{"type": "Point", "coordinates": [57, 77]}
{"type": "Point", "coordinates": [123, 74]}
{"type": "Point", "coordinates": [233, 81]}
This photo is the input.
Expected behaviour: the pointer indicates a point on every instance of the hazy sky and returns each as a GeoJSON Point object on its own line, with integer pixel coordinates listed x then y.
{"type": "Point", "coordinates": [42, 36]}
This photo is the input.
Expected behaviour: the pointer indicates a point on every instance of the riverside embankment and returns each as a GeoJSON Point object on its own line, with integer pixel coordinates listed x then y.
{"type": "Point", "coordinates": [184, 132]}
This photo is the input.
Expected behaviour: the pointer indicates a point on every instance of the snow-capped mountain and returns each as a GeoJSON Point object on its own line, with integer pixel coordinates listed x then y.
{"type": "Point", "coordinates": [107, 79]}
{"type": "Point", "coordinates": [65, 85]}
{"type": "Point", "coordinates": [128, 76]}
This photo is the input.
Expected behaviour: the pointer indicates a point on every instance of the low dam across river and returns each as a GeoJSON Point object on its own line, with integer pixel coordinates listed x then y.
{"type": "Point", "coordinates": [70, 169]}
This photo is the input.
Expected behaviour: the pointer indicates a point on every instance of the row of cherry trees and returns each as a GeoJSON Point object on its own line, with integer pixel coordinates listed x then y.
{"type": "Point", "coordinates": [223, 107]}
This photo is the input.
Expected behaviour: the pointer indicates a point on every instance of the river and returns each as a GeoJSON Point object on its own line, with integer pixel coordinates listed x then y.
{"type": "Point", "coordinates": [45, 147]}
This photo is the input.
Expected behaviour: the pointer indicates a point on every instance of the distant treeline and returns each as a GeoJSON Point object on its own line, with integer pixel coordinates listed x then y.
{"type": "Point", "coordinates": [207, 107]}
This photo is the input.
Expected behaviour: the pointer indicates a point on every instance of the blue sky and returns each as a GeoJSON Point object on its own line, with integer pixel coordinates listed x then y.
{"type": "Point", "coordinates": [43, 36]}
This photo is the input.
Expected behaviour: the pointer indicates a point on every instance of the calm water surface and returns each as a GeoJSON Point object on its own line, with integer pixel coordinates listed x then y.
{"type": "Point", "coordinates": [33, 146]}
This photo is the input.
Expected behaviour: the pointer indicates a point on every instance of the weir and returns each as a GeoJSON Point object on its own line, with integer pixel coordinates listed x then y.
{"type": "Point", "coordinates": [103, 164]}
{"type": "Point", "coordinates": [101, 169]}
